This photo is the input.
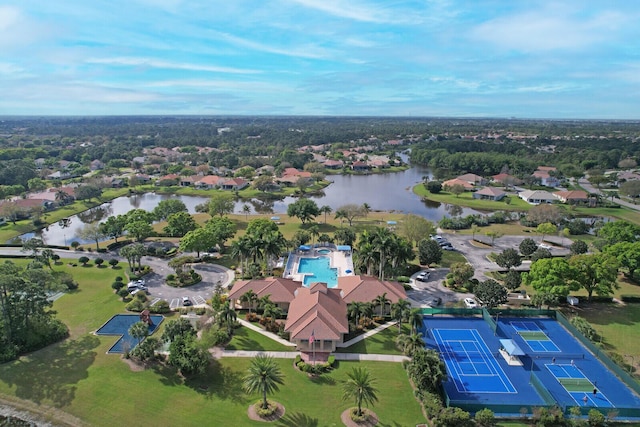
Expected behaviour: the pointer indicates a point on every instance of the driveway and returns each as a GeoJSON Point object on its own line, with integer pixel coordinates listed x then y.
{"type": "Point", "coordinates": [423, 292]}
{"type": "Point", "coordinates": [212, 274]}
{"type": "Point", "coordinates": [477, 257]}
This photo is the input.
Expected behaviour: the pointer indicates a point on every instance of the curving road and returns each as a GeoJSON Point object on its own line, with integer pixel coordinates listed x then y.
{"type": "Point", "coordinates": [212, 274]}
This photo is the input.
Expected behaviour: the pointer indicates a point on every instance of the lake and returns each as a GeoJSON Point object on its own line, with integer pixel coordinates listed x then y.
{"type": "Point", "coordinates": [389, 192]}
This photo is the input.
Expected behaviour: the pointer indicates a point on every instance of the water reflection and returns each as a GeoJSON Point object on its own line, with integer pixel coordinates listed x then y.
{"type": "Point", "coordinates": [384, 192]}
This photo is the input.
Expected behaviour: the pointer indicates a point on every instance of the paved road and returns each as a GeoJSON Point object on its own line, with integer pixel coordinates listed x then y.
{"type": "Point", "coordinates": [591, 189]}
{"type": "Point", "coordinates": [477, 257]}
{"type": "Point", "coordinates": [212, 274]}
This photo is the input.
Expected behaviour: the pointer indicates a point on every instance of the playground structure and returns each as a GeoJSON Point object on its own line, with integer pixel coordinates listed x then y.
{"type": "Point", "coordinates": [145, 316]}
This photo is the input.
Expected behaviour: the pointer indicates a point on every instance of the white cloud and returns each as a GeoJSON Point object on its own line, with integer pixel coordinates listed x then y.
{"type": "Point", "coordinates": [267, 87]}
{"type": "Point", "coordinates": [8, 68]}
{"type": "Point", "coordinates": [155, 63]}
{"type": "Point", "coordinates": [352, 9]}
{"type": "Point", "coordinates": [552, 28]}
{"type": "Point", "coordinates": [311, 52]}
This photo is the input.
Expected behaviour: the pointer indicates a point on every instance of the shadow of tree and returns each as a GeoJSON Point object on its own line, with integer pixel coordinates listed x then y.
{"type": "Point", "coordinates": [51, 374]}
{"type": "Point", "coordinates": [297, 419]}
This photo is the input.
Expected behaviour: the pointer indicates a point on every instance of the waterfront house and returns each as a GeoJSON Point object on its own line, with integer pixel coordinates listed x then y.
{"type": "Point", "coordinates": [536, 197]}
{"type": "Point", "coordinates": [489, 193]}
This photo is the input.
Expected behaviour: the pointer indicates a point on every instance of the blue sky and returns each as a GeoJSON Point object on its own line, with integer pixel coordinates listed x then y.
{"type": "Point", "coordinates": [496, 58]}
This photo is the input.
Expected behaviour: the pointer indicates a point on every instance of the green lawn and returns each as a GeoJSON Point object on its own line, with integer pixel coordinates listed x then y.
{"type": "Point", "coordinates": [248, 339]}
{"type": "Point", "coordinates": [79, 378]}
{"type": "Point", "coordinates": [381, 343]}
{"type": "Point", "coordinates": [466, 199]}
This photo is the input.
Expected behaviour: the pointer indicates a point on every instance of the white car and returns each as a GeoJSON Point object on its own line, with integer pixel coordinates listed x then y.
{"type": "Point", "coordinates": [470, 303]}
{"type": "Point", "coordinates": [544, 246]}
{"type": "Point", "coordinates": [423, 276]}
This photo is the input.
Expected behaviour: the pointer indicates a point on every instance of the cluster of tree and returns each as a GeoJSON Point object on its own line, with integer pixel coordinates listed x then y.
{"type": "Point", "coordinates": [380, 251]}
{"type": "Point", "coordinates": [262, 242]}
{"type": "Point", "coordinates": [27, 322]}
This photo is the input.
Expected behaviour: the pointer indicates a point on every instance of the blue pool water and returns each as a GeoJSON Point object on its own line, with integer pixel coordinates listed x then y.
{"type": "Point", "coordinates": [320, 271]}
{"type": "Point", "coordinates": [324, 251]}
{"type": "Point", "coordinates": [120, 324]}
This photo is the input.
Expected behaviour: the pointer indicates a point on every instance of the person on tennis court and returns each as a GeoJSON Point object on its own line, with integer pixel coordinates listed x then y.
{"type": "Point", "coordinates": [585, 399]}
{"type": "Point", "coordinates": [595, 391]}
{"type": "Point", "coordinates": [573, 363]}
{"type": "Point", "coordinates": [553, 360]}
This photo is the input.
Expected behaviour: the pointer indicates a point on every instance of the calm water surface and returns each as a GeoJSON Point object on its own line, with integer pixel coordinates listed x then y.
{"type": "Point", "coordinates": [383, 192]}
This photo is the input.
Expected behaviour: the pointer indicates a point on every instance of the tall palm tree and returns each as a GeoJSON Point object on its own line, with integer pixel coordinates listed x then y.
{"type": "Point", "coordinates": [249, 297]}
{"type": "Point", "coordinates": [381, 301]}
{"type": "Point", "coordinates": [415, 320]}
{"type": "Point", "coordinates": [409, 344]}
{"type": "Point", "coordinates": [264, 376]}
{"type": "Point", "coordinates": [246, 210]}
{"type": "Point", "coordinates": [138, 251]}
{"type": "Point", "coordinates": [272, 312]}
{"type": "Point", "coordinates": [315, 232]}
{"type": "Point", "coordinates": [326, 209]}
{"type": "Point", "coordinates": [400, 311]}
{"type": "Point", "coordinates": [402, 253]}
{"type": "Point", "coordinates": [360, 386]}
{"type": "Point", "coordinates": [367, 310]}
{"type": "Point", "coordinates": [383, 239]}
{"type": "Point", "coordinates": [366, 257]}
{"type": "Point", "coordinates": [272, 245]}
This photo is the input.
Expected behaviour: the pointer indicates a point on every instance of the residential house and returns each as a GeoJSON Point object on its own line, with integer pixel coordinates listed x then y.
{"type": "Point", "coordinates": [573, 197]}
{"type": "Point", "coordinates": [295, 172]}
{"type": "Point", "coordinates": [117, 183]}
{"type": "Point", "coordinates": [96, 165]}
{"type": "Point", "coordinates": [280, 290]}
{"type": "Point", "coordinates": [536, 197]}
{"type": "Point", "coordinates": [472, 179]}
{"type": "Point", "coordinates": [142, 178]}
{"type": "Point", "coordinates": [333, 164]}
{"type": "Point", "coordinates": [360, 166]}
{"type": "Point", "coordinates": [506, 179]}
{"type": "Point", "coordinates": [317, 320]}
{"type": "Point", "coordinates": [234, 184]}
{"type": "Point", "coordinates": [59, 175]}
{"type": "Point", "coordinates": [188, 181]}
{"type": "Point", "coordinates": [167, 180]}
{"type": "Point", "coordinates": [18, 209]}
{"type": "Point", "coordinates": [447, 185]}
{"type": "Point", "coordinates": [208, 182]}
{"type": "Point", "coordinates": [543, 174]}
{"type": "Point", "coordinates": [489, 193]}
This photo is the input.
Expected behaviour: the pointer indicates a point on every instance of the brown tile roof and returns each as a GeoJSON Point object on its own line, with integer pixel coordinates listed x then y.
{"type": "Point", "coordinates": [572, 195]}
{"type": "Point", "coordinates": [456, 181]}
{"type": "Point", "coordinates": [317, 310]}
{"type": "Point", "coordinates": [280, 289]}
{"type": "Point", "coordinates": [367, 288]}
{"type": "Point", "coordinates": [209, 180]}
{"type": "Point", "coordinates": [490, 191]}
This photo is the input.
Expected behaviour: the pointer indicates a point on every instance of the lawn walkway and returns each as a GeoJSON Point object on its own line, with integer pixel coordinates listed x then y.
{"type": "Point", "coordinates": [366, 335]}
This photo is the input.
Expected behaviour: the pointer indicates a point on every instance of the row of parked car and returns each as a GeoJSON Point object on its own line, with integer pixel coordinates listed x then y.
{"type": "Point", "coordinates": [136, 286]}
{"type": "Point", "coordinates": [444, 243]}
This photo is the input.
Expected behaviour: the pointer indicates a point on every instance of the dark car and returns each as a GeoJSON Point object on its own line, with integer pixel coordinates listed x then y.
{"type": "Point", "coordinates": [435, 301]}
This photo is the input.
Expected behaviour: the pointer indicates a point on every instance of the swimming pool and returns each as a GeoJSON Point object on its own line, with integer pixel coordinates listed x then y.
{"type": "Point", "coordinates": [324, 251]}
{"type": "Point", "coordinates": [119, 324]}
{"type": "Point", "coordinates": [318, 270]}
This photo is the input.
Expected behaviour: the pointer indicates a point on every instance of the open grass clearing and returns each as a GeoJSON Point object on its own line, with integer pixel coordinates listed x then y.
{"type": "Point", "coordinates": [250, 340]}
{"type": "Point", "coordinates": [381, 343]}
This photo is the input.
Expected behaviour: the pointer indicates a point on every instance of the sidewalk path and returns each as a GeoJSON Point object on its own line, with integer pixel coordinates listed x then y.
{"type": "Point", "coordinates": [366, 334]}
{"type": "Point", "coordinates": [293, 354]}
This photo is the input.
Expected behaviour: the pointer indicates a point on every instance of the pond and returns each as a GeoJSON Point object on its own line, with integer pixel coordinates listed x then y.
{"type": "Point", "coordinates": [383, 192]}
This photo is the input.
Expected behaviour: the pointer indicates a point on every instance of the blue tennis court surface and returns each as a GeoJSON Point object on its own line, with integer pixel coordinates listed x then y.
{"type": "Point", "coordinates": [120, 324]}
{"type": "Point", "coordinates": [470, 362]}
{"type": "Point", "coordinates": [563, 375]}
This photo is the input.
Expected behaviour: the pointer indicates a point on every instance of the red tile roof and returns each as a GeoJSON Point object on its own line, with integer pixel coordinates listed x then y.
{"type": "Point", "coordinates": [367, 288]}
{"type": "Point", "coordinates": [279, 288]}
{"type": "Point", "coordinates": [318, 310]}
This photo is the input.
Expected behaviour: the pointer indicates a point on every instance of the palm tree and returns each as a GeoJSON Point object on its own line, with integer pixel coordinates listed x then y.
{"type": "Point", "coordinates": [138, 251]}
{"type": "Point", "coordinates": [264, 376]}
{"type": "Point", "coordinates": [409, 344]}
{"type": "Point", "coordinates": [241, 250]}
{"type": "Point", "coordinates": [365, 209]}
{"type": "Point", "coordinates": [315, 232]}
{"type": "Point", "coordinates": [246, 210]}
{"type": "Point", "coordinates": [402, 253]}
{"type": "Point", "coordinates": [354, 310]}
{"type": "Point", "coordinates": [326, 209]}
{"type": "Point", "coordinates": [228, 316]}
{"type": "Point", "coordinates": [272, 312]}
{"type": "Point", "coordinates": [400, 311]}
{"type": "Point", "coordinates": [383, 238]}
{"type": "Point", "coordinates": [381, 301]}
{"type": "Point", "coordinates": [359, 386]}
{"type": "Point", "coordinates": [128, 254]}
{"type": "Point", "coordinates": [272, 245]}
{"type": "Point", "coordinates": [139, 331]}
{"type": "Point", "coordinates": [249, 297]}
{"type": "Point", "coordinates": [367, 310]}
{"type": "Point", "coordinates": [415, 320]}
{"type": "Point", "coordinates": [366, 257]}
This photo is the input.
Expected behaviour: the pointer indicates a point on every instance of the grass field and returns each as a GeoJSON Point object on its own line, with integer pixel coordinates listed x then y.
{"type": "Point", "coordinates": [466, 199]}
{"type": "Point", "coordinates": [381, 343]}
{"type": "Point", "coordinates": [78, 377]}
{"type": "Point", "coordinates": [248, 339]}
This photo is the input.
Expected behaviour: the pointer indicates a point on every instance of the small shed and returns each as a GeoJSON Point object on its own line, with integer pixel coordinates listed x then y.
{"type": "Point", "coordinates": [510, 351]}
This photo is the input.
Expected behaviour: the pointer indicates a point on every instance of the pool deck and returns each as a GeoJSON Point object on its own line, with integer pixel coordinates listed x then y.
{"type": "Point", "coordinates": [339, 260]}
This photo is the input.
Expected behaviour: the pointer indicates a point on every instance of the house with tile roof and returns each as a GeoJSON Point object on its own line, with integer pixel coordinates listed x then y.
{"type": "Point", "coordinates": [545, 177]}
{"type": "Point", "coordinates": [208, 182]}
{"type": "Point", "coordinates": [473, 179]}
{"type": "Point", "coordinates": [489, 193]}
{"type": "Point", "coordinates": [506, 179]}
{"type": "Point", "coordinates": [536, 197]}
{"type": "Point", "coordinates": [572, 197]}
{"type": "Point", "coordinates": [366, 288]}
{"type": "Point", "coordinates": [317, 320]}
{"type": "Point", "coordinates": [280, 290]}
{"type": "Point", "coordinates": [234, 184]}
{"type": "Point", "coordinates": [452, 182]}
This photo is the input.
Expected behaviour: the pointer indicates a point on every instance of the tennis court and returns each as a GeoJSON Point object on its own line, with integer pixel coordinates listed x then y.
{"type": "Point", "coordinates": [470, 363]}
{"type": "Point", "coordinates": [579, 387]}
{"type": "Point", "coordinates": [535, 338]}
